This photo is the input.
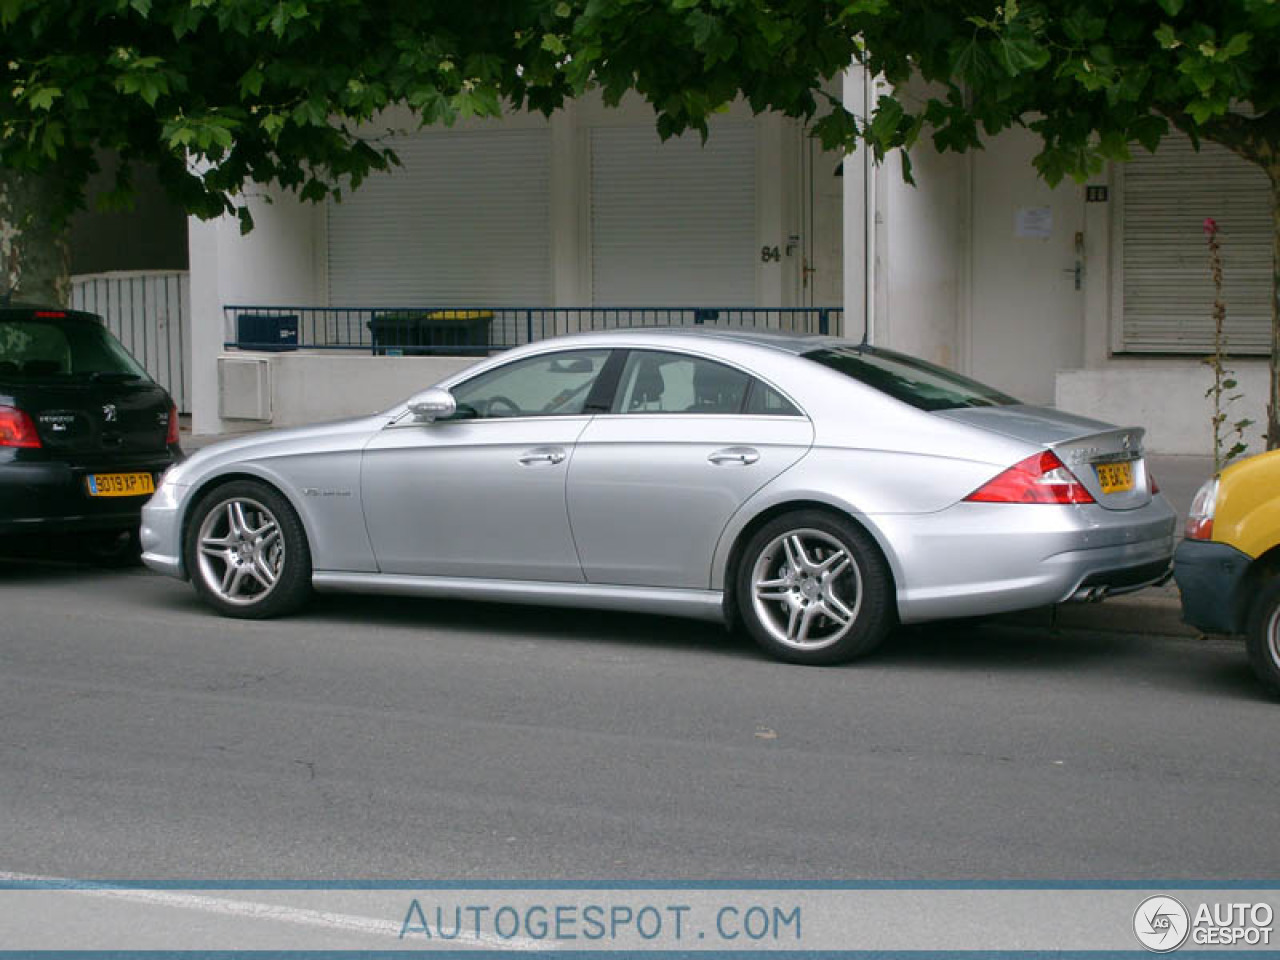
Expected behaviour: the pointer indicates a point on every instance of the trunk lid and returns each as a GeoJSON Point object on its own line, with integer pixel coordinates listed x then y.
{"type": "Point", "coordinates": [1106, 459]}
{"type": "Point", "coordinates": [98, 419]}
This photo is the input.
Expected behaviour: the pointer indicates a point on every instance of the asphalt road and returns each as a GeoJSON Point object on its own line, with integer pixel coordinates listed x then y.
{"type": "Point", "coordinates": [143, 737]}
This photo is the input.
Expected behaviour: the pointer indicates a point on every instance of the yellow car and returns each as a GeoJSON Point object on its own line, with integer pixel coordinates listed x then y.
{"type": "Point", "coordinates": [1228, 567]}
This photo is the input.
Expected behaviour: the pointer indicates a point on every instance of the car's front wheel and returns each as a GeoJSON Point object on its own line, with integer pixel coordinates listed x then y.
{"type": "Point", "coordinates": [814, 589]}
{"type": "Point", "coordinates": [246, 551]}
{"type": "Point", "coordinates": [1263, 634]}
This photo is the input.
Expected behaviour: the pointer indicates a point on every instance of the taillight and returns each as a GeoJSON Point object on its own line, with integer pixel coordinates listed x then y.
{"type": "Point", "coordinates": [1041, 478]}
{"type": "Point", "coordinates": [17, 429]}
{"type": "Point", "coordinates": [1203, 507]}
{"type": "Point", "coordinates": [171, 438]}
{"type": "Point", "coordinates": [1155, 487]}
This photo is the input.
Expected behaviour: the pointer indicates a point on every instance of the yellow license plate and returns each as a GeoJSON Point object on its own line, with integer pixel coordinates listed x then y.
{"type": "Point", "coordinates": [1115, 477]}
{"type": "Point", "coordinates": [120, 484]}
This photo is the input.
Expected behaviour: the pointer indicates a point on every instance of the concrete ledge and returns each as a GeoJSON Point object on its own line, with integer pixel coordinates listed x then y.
{"type": "Point", "coordinates": [1167, 397]}
{"type": "Point", "coordinates": [315, 386]}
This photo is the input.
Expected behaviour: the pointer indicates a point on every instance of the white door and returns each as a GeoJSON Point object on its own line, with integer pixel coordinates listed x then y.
{"type": "Point", "coordinates": [673, 224]}
{"type": "Point", "coordinates": [1027, 242]}
{"type": "Point", "coordinates": [463, 222]}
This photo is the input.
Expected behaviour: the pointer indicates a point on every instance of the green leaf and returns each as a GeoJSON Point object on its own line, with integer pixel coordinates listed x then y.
{"type": "Point", "coordinates": [1172, 7]}
{"type": "Point", "coordinates": [1149, 131]}
{"type": "Point", "coordinates": [251, 83]}
{"type": "Point", "coordinates": [43, 98]}
{"type": "Point", "coordinates": [142, 6]}
{"type": "Point", "coordinates": [1167, 37]}
{"type": "Point", "coordinates": [563, 11]}
{"type": "Point", "coordinates": [1238, 44]}
{"type": "Point", "coordinates": [1021, 53]}
{"type": "Point", "coordinates": [884, 124]}
{"type": "Point", "coordinates": [272, 124]}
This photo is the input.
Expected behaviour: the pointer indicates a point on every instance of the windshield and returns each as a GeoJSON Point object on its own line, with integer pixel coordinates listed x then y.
{"type": "Point", "coordinates": [921, 384]}
{"type": "Point", "coordinates": [62, 349]}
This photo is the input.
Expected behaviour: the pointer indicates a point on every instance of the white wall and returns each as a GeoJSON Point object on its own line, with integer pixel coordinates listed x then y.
{"type": "Point", "coordinates": [310, 387]}
{"type": "Point", "coordinates": [921, 242]}
{"type": "Point", "coordinates": [1166, 396]}
{"type": "Point", "coordinates": [279, 263]}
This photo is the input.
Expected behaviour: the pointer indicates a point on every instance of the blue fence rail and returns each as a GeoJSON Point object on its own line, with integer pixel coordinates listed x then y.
{"type": "Point", "coordinates": [409, 331]}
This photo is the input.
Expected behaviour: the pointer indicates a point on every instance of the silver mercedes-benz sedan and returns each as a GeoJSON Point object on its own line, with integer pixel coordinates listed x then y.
{"type": "Point", "coordinates": [813, 489]}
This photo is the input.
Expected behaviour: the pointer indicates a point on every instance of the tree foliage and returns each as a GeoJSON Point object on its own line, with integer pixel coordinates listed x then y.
{"type": "Point", "coordinates": [1089, 76]}
{"type": "Point", "coordinates": [220, 93]}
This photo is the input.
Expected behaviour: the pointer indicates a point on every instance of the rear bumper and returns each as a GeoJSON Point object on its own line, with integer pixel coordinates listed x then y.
{"type": "Point", "coordinates": [976, 559]}
{"type": "Point", "coordinates": [52, 496]}
{"type": "Point", "coordinates": [1211, 579]}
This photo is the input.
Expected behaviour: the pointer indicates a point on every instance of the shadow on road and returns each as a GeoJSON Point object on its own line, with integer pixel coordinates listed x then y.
{"type": "Point", "coordinates": [995, 646]}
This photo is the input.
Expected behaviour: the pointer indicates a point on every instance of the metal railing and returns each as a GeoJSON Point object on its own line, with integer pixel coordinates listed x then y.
{"type": "Point", "coordinates": [409, 331]}
{"type": "Point", "coordinates": [150, 313]}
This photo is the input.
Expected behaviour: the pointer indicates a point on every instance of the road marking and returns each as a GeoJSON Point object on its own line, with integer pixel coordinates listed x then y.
{"type": "Point", "coordinates": [249, 909]}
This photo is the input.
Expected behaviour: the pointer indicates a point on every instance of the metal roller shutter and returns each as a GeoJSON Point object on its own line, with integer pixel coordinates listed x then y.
{"type": "Point", "coordinates": [673, 224]}
{"type": "Point", "coordinates": [1167, 290]}
{"type": "Point", "coordinates": [465, 221]}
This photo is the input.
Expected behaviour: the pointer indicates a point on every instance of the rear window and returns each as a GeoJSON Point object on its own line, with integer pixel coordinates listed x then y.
{"type": "Point", "coordinates": [921, 384]}
{"type": "Point", "coordinates": [62, 349]}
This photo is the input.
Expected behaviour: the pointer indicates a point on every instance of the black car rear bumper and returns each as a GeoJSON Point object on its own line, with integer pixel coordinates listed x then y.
{"type": "Point", "coordinates": [1211, 579]}
{"type": "Point", "coordinates": [53, 496]}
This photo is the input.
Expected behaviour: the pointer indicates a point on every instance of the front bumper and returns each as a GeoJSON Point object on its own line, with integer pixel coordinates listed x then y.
{"type": "Point", "coordinates": [1211, 578]}
{"type": "Point", "coordinates": [39, 496]}
{"type": "Point", "coordinates": [161, 533]}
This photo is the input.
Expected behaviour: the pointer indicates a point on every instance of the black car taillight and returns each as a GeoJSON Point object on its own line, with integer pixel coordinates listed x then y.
{"type": "Point", "coordinates": [171, 438]}
{"type": "Point", "coordinates": [17, 429]}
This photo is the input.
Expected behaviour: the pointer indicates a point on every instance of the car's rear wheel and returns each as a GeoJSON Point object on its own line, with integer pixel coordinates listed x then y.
{"type": "Point", "coordinates": [247, 553]}
{"type": "Point", "coordinates": [813, 588]}
{"type": "Point", "coordinates": [1262, 637]}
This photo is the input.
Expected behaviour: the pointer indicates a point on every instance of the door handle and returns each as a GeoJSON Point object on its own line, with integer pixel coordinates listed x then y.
{"type": "Point", "coordinates": [548, 455]}
{"type": "Point", "coordinates": [737, 455]}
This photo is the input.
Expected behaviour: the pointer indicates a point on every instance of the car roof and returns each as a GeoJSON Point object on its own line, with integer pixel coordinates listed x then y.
{"type": "Point", "coordinates": [784, 341]}
{"type": "Point", "coordinates": [18, 311]}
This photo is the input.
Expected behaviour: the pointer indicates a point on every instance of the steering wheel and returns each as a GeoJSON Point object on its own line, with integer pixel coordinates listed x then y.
{"type": "Point", "coordinates": [500, 400]}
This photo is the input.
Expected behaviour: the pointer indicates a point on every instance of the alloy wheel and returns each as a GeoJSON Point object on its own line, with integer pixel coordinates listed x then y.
{"type": "Point", "coordinates": [241, 551]}
{"type": "Point", "coordinates": [806, 589]}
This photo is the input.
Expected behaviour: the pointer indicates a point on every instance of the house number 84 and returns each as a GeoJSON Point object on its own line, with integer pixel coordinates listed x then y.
{"type": "Point", "coordinates": [769, 253]}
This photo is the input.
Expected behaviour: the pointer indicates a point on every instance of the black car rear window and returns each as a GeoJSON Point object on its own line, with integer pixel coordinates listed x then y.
{"type": "Point", "coordinates": [923, 385]}
{"type": "Point", "coordinates": [61, 348]}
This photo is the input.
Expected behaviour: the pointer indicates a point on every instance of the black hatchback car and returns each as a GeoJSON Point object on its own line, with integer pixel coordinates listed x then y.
{"type": "Point", "coordinates": [84, 432]}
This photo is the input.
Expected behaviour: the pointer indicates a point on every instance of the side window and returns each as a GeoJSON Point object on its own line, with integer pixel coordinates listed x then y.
{"type": "Point", "coordinates": [671, 383]}
{"type": "Point", "coordinates": [764, 401]}
{"type": "Point", "coordinates": [553, 385]}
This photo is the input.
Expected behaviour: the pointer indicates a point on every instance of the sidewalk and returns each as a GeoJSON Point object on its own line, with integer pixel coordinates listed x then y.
{"type": "Point", "coordinates": [1156, 610]}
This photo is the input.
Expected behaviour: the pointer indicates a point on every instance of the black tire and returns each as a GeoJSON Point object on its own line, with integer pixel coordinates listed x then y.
{"type": "Point", "coordinates": [794, 611]}
{"type": "Point", "coordinates": [1262, 635]}
{"type": "Point", "coordinates": [235, 580]}
{"type": "Point", "coordinates": [116, 549]}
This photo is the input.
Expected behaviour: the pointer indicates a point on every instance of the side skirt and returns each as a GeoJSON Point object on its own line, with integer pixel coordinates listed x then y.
{"type": "Point", "coordinates": [698, 604]}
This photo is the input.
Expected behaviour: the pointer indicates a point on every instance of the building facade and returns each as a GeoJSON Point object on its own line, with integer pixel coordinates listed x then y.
{"type": "Point", "coordinates": [1094, 296]}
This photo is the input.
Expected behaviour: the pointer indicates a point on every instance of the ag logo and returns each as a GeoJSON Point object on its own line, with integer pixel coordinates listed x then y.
{"type": "Point", "coordinates": [109, 413]}
{"type": "Point", "coordinates": [1161, 924]}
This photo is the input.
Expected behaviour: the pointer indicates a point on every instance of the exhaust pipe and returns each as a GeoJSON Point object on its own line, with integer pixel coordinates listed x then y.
{"type": "Point", "coordinates": [1090, 595]}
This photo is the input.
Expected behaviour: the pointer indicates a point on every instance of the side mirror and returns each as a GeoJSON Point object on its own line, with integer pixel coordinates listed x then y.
{"type": "Point", "coordinates": [435, 403]}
